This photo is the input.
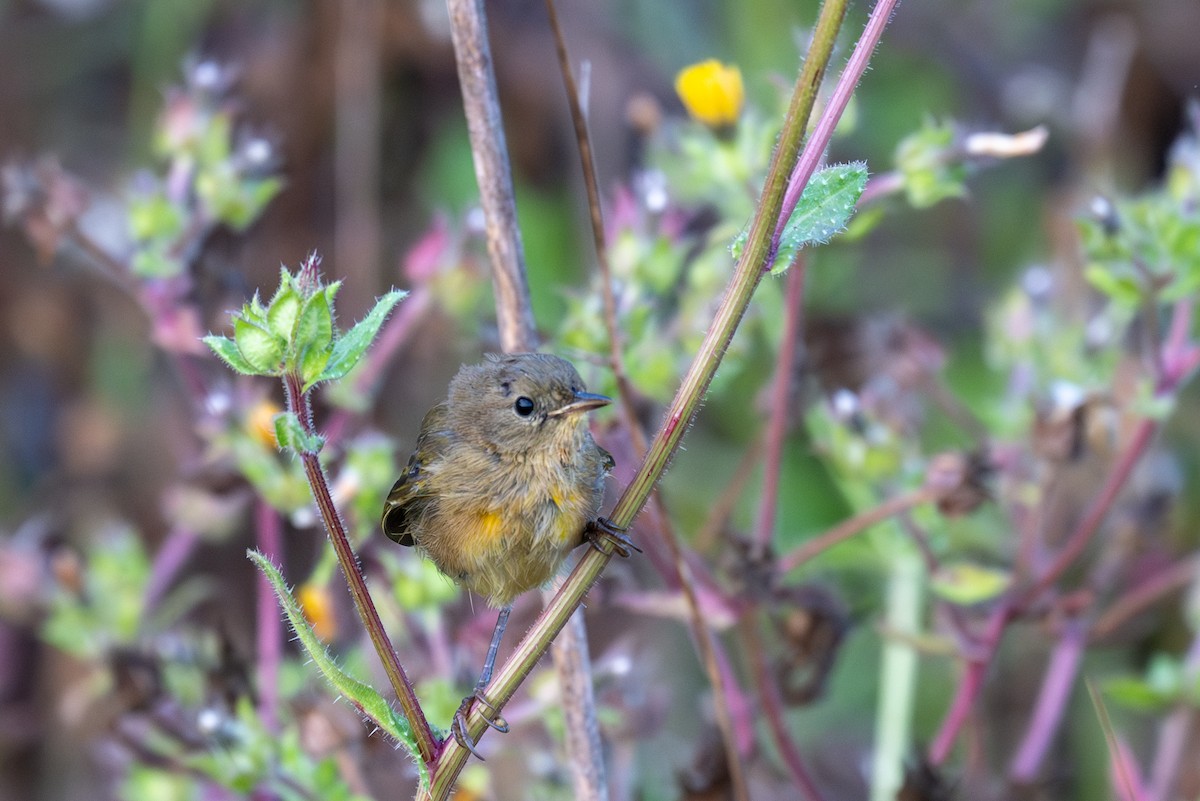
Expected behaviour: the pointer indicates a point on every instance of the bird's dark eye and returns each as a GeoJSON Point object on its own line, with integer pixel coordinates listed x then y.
{"type": "Point", "coordinates": [523, 406]}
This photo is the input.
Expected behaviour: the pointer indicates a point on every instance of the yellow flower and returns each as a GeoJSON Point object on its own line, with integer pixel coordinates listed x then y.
{"type": "Point", "coordinates": [318, 610]}
{"type": "Point", "coordinates": [711, 92]}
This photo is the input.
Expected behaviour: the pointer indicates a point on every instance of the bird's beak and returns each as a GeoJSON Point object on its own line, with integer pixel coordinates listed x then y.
{"type": "Point", "coordinates": [583, 402]}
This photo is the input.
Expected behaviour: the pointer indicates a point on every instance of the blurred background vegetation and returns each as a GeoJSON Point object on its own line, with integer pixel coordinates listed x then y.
{"type": "Point", "coordinates": [358, 106]}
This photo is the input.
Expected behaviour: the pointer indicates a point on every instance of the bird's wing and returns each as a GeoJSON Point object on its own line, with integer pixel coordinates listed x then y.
{"type": "Point", "coordinates": [411, 492]}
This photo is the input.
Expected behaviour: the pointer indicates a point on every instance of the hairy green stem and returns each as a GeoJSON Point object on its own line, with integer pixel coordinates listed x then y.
{"type": "Point", "coordinates": [748, 273]}
{"type": "Point", "coordinates": [299, 404]}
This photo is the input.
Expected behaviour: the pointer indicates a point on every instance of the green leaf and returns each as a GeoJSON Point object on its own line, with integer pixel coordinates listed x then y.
{"type": "Point", "coordinates": [314, 324]}
{"type": "Point", "coordinates": [261, 349]}
{"type": "Point", "coordinates": [155, 261]}
{"type": "Point", "coordinates": [289, 433]}
{"type": "Point", "coordinates": [154, 217]}
{"type": "Point", "coordinates": [312, 363]}
{"type": "Point", "coordinates": [212, 146]}
{"type": "Point", "coordinates": [314, 335]}
{"type": "Point", "coordinates": [284, 308]}
{"type": "Point", "coordinates": [968, 583]}
{"type": "Point", "coordinates": [1136, 694]}
{"type": "Point", "coordinates": [244, 200]}
{"type": "Point", "coordinates": [351, 345]}
{"type": "Point", "coordinates": [1121, 288]}
{"type": "Point", "coordinates": [110, 609]}
{"type": "Point", "coordinates": [823, 211]}
{"type": "Point", "coordinates": [930, 176]}
{"type": "Point", "coordinates": [1162, 686]}
{"type": "Point", "coordinates": [254, 310]}
{"type": "Point", "coordinates": [227, 349]}
{"type": "Point", "coordinates": [363, 696]}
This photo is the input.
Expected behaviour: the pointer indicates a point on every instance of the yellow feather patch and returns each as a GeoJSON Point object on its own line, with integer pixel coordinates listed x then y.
{"type": "Point", "coordinates": [566, 525]}
{"type": "Point", "coordinates": [490, 528]}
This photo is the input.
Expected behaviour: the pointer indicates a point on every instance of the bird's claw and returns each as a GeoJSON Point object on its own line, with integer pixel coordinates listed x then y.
{"type": "Point", "coordinates": [601, 529]}
{"type": "Point", "coordinates": [491, 716]}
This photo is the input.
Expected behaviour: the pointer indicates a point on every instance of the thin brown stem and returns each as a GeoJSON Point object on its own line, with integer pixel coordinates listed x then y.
{"type": "Point", "coordinates": [587, 161]}
{"type": "Point", "coordinates": [518, 332]}
{"type": "Point", "coordinates": [1082, 535]}
{"type": "Point", "coordinates": [472, 52]}
{"type": "Point", "coordinates": [1172, 579]}
{"type": "Point", "coordinates": [358, 235]}
{"type": "Point", "coordinates": [854, 525]}
{"type": "Point", "coordinates": [771, 705]}
{"type": "Point", "coordinates": [298, 403]}
{"type": "Point", "coordinates": [624, 389]}
{"type": "Point", "coordinates": [708, 658]}
{"type": "Point", "coordinates": [781, 392]}
{"type": "Point", "coordinates": [733, 305]}
{"type": "Point", "coordinates": [572, 664]}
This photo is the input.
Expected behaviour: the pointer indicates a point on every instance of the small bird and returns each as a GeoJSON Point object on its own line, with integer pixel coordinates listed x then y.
{"type": "Point", "coordinates": [504, 479]}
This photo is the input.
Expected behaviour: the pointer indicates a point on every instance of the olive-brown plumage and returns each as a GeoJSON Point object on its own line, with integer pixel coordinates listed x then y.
{"type": "Point", "coordinates": [504, 476]}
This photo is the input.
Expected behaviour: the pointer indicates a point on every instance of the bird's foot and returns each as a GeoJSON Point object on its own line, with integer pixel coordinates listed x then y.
{"type": "Point", "coordinates": [601, 529]}
{"type": "Point", "coordinates": [491, 716]}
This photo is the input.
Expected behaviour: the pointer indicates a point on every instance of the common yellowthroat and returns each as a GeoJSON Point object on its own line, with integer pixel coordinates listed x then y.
{"type": "Point", "coordinates": [504, 479]}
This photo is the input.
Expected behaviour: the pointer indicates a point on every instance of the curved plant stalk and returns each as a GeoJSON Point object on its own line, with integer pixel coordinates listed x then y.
{"type": "Point", "coordinates": [749, 271]}
{"type": "Point", "coordinates": [299, 404]}
{"type": "Point", "coordinates": [1009, 609]}
{"type": "Point", "coordinates": [518, 332]}
{"type": "Point", "coordinates": [700, 631]}
{"type": "Point", "coordinates": [365, 698]}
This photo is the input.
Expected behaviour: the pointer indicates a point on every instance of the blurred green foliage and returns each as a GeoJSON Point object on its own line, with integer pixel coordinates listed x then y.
{"type": "Point", "coordinates": [944, 256]}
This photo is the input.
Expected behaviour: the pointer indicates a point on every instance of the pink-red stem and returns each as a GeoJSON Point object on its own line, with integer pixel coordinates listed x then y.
{"type": "Point", "coordinates": [781, 392]}
{"type": "Point", "coordinates": [299, 405]}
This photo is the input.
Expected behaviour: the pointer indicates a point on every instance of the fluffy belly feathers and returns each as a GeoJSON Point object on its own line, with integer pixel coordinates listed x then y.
{"type": "Point", "coordinates": [500, 553]}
